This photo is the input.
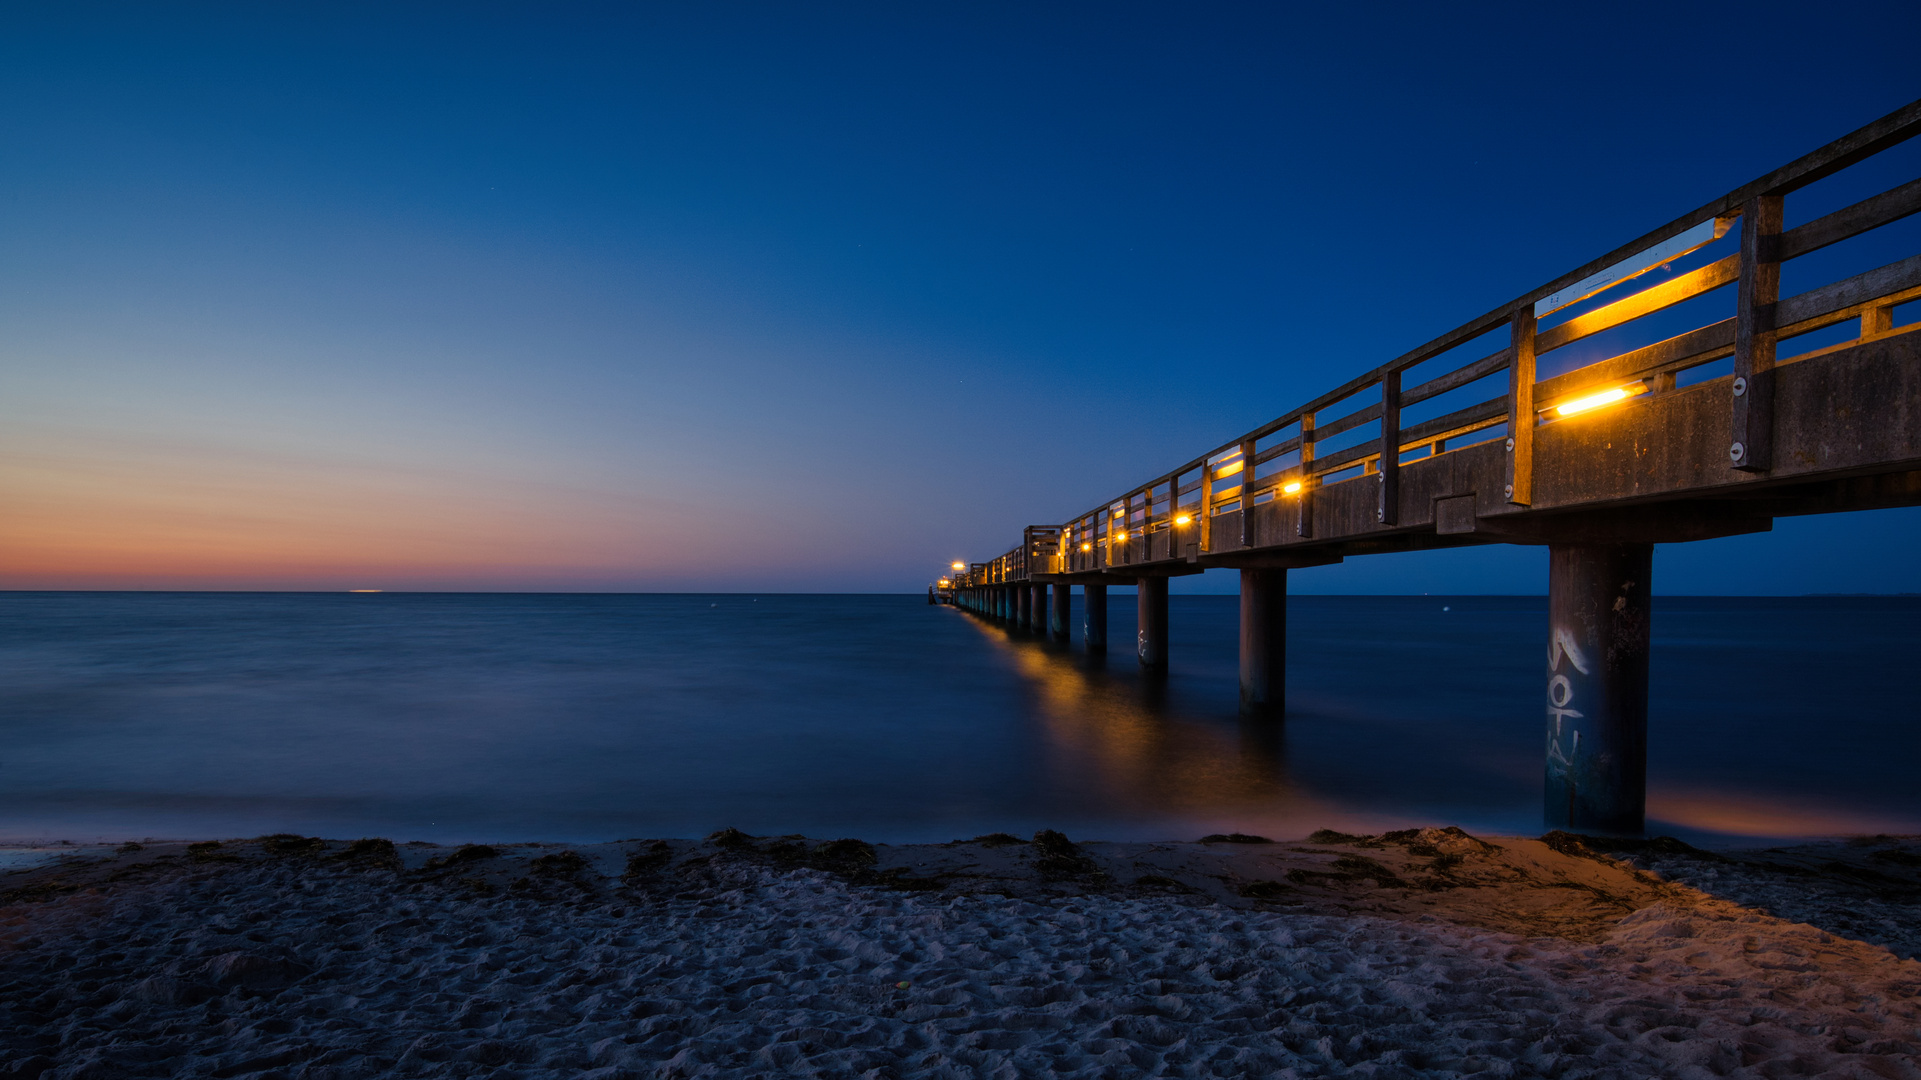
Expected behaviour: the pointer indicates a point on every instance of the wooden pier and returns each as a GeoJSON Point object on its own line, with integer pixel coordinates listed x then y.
{"type": "Point", "coordinates": [1711, 432]}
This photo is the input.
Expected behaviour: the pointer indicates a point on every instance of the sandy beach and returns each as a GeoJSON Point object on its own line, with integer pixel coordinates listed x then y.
{"type": "Point", "coordinates": [1421, 953]}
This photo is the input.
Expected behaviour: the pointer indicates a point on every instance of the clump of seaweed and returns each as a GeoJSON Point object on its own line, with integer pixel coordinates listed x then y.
{"type": "Point", "coordinates": [129, 848]}
{"type": "Point", "coordinates": [997, 839]}
{"type": "Point", "coordinates": [560, 864]}
{"type": "Point", "coordinates": [292, 844]}
{"type": "Point", "coordinates": [843, 856]}
{"type": "Point", "coordinates": [731, 838]}
{"type": "Point", "coordinates": [1157, 881]}
{"type": "Point", "coordinates": [210, 851]}
{"type": "Point", "coordinates": [1264, 890]}
{"type": "Point", "coordinates": [1347, 869]}
{"type": "Point", "coordinates": [377, 850]}
{"type": "Point", "coordinates": [465, 853]}
{"type": "Point", "coordinates": [647, 862]}
{"type": "Point", "coordinates": [1329, 836]}
{"type": "Point", "coordinates": [1061, 857]}
{"type": "Point", "coordinates": [1234, 838]}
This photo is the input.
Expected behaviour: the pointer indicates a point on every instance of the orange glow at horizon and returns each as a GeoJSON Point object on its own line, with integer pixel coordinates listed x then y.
{"type": "Point", "coordinates": [120, 513]}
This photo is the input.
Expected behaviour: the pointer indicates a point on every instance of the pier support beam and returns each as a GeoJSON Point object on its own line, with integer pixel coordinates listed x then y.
{"type": "Point", "coordinates": [1263, 642]}
{"type": "Point", "coordinates": [1151, 639]}
{"type": "Point", "coordinates": [1061, 611]}
{"type": "Point", "coordinates": [1597, 687]}
{"type": "Point", "coordinates": [1094, 619]}
{"type": "Point", "coordinates": [1023, 607]}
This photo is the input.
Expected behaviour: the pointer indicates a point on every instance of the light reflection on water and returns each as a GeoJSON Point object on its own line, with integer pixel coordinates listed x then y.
{"type": "Point", "coordinates": [601, 717]}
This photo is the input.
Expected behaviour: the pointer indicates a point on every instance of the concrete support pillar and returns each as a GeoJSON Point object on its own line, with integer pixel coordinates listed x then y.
{"type": "Point", "coordinates": [1151, 639]}
{"type": "Point", "coordinates": [1024, 607]}
{"type": "Point", "coordinates": [1038, 624]}
{"type": "Point", "coordinates": [1263, 642]}
{"type": "Point", "coordinates": [1061, 611]}
{"type": "Point", "coordinates": [1004, 602]}
{"type": "Point", "coordinates": [1597, 687]}
{"type": "Point", "coordinates": [1094, 618]}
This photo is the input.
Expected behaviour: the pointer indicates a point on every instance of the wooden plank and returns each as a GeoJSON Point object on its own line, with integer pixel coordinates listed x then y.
{"type": "Point", "coordinates": [1754, 337]}
{"type": "Point", "coordinates": [1279, 450]}
{"type": "Point", "coordinates": [1660, 254]}
{"type": "Point", "coordinates": [1248, 451]}
{"type": "Point", "coordinates": [1454, 380]}
{"type": "Point", "coordinates": [1349, 422]}
{"type": "Point", "coordinates": [1807, 310]}
{"type": "Point", "coordinates": [1649, 300]}
{"type": "Point", "coordinates": [1207, 506]}
{"type": "Point", "coordinates": [1520, 410]}
{"type": "Point", "coordinates": [1456, 421]}
{"type": "Point", "coordinates": [1896, 127]}
{"type": "Point", "coordinates": [1304, 522]}
{"type": "Point", "coordinates": [1389, 512]}
{"type": "Point", "coordinates": [1342, 459]}
{"type": "Point", "coordinates": [1891, 205]}
{"type": "Point", "coordinates": [1710, 342]}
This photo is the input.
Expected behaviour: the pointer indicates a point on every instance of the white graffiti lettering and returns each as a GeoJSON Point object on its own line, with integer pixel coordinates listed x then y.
{"type": "Point", "coordinates": [1563, 644]}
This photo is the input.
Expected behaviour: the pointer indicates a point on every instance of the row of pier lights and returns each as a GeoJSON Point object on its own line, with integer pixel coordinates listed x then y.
{"type": "Point", "coordinates": [1597, 693]}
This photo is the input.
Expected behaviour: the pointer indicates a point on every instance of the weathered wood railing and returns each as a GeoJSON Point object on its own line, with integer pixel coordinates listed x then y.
{"type": "Point", "coordinates": [1177, 515]}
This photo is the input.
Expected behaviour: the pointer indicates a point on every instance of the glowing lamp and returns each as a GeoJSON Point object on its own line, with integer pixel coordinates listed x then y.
{"type": "Point", "coordinates": [1593, 401]}
{"type": "Point", "coordinates": [1182, 520]}
{"type": "Point", "coordinates": [960, 566]}
{"type": "Point", "coordinates": [1087, 547]}
{"type": "Point", "coordinates": [1290, 488]}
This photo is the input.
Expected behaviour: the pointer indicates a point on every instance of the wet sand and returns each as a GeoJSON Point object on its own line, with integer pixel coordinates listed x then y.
{"type": "Point", "coordinates": [1423, 953]}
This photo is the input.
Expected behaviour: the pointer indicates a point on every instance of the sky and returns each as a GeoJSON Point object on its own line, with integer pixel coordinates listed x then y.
{"type": "Point", "coordinates": [780, 297]}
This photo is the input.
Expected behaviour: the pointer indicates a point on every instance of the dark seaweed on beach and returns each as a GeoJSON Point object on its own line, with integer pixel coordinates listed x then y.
{"type": "Point", "coordinates": [292, 844]}
{"type": "Point", "coordinates": [731, 837]}
{"type": "Point", "coordinates": [465, 853]}
{"type": "Point", "coordinates": [647, 862]}
{"type": "Point", "coordinates": [1062, 858]}
{"type": "Point", "coordinates": [997, 839]}
{"type": "Point", "coordinates": [1234, 838]}
{"type": "Point", "coordinates": [377, 850]}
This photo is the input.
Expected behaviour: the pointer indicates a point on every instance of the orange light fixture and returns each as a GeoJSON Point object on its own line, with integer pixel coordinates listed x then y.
{"type": "Point", "coordinates": [1595, 401]}
{"type": "Point", "coordinates": [1292, 487]}
{"type": "Point", "coordinates": [1182, 520]}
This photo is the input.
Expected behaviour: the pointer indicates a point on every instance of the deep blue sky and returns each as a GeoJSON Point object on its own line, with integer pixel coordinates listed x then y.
{"type": "Point", "coordinates": [807, 296]}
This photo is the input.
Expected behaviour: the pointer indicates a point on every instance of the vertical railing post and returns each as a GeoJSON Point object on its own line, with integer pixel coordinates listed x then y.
{"type": "Point", "coordinates": [1520, 408]}
{"type": "Point", "coordinates": [1876, 320]}
{"type": "Point", "coordinates": [1247, 492]}
{"type": "Point", "coordinates": [1206, 535]}
{"type": "Point", "coordinates": [1304, 524]}
{"type": "Point", "coordinates": [1754, 337]}
{"type": "Point", "coordinates": [1389, 512]}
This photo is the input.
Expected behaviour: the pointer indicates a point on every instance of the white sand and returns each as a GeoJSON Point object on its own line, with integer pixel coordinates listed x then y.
{"type": "Point", "coordinates": [721, 963]}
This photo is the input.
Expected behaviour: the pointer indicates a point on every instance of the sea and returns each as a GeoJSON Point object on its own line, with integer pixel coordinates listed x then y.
{"type": "Point", "coordinates": [582, 718]}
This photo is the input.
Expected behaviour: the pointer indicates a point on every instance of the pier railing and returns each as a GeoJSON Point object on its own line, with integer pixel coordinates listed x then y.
{"type": "Point", "coordinates": [1366, 430]}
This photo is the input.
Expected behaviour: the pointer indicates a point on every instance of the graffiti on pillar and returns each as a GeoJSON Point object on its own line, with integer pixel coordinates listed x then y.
{"type": "Point", "coordinates": [1140, 644]}
{"type": "Point", "coordinates": [1562, 746]}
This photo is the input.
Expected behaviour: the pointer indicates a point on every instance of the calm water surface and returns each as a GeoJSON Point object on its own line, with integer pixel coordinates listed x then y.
{"type": "Point", "coordinates": [586, 717]}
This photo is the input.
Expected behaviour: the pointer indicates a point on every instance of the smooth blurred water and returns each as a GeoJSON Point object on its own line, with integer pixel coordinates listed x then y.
{"type": "Point", "coordinates": [598, 717]}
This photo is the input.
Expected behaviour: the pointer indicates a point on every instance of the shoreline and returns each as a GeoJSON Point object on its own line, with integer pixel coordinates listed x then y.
{"type": "Point", "coordinates": [1424, 952]}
